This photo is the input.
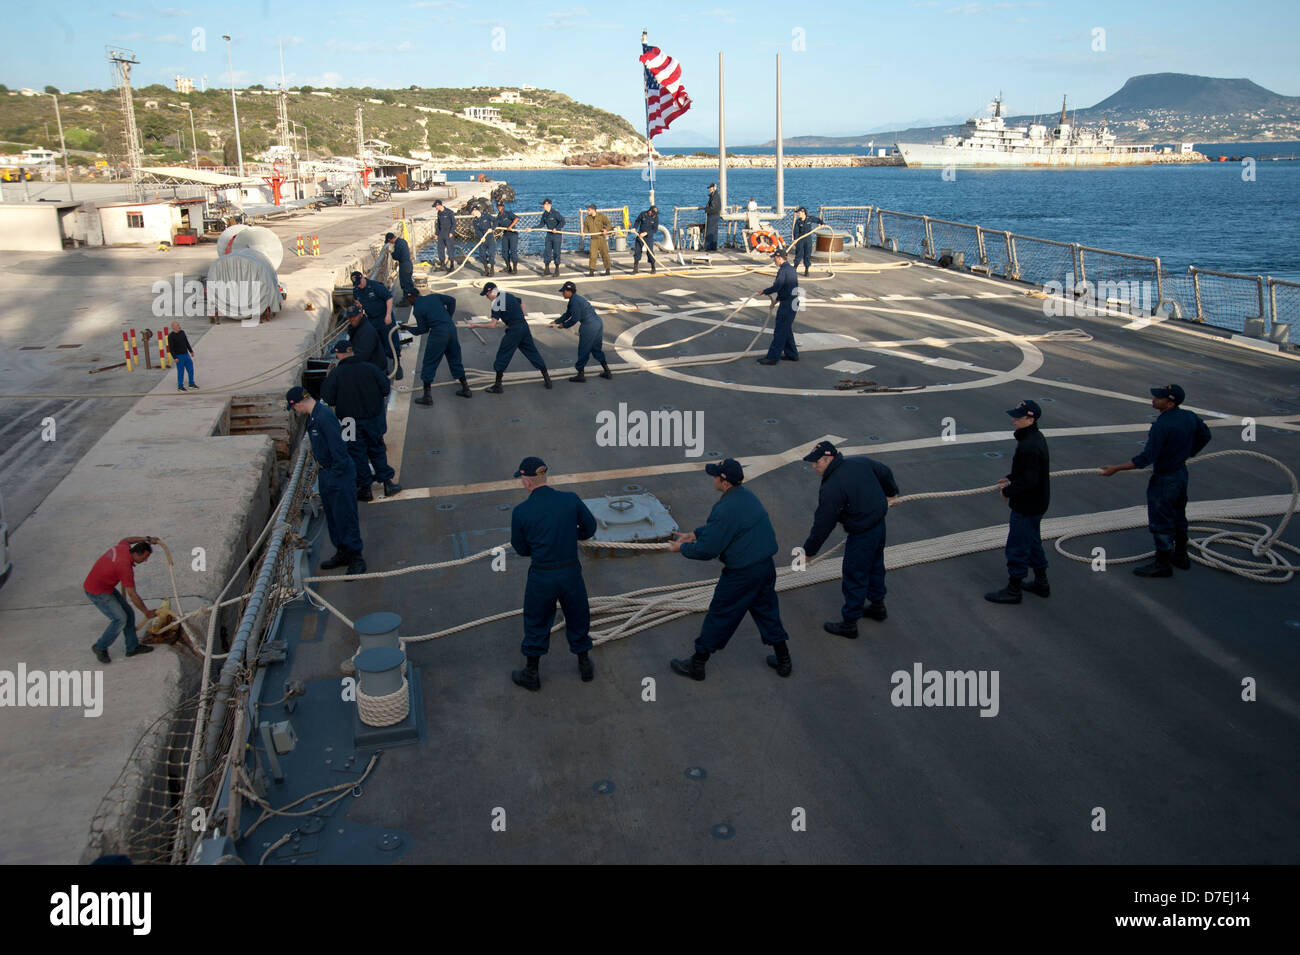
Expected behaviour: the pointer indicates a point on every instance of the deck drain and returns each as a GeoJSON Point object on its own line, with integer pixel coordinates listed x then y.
{"type": "Point", "coordinates": [911, 407]}
{"type": "Point", "coordinates": [696, 772]}
{"type": "Point", "coordinates": [873, 437]}
{"type": "Point", "coordinates": [311, 825]}
{"type": "Point", "coordinates": [514, 420]}
{"type": "Point", "coordinates": [1062, 379]}
{"type": "Point", "coordinates": [632, 488]}
{"type": "Point", "coordinates": [723, 831]}
{"type": "Point", "coordinates": [388, 842]}
{"type": "Point", "coordinates": [432, 451]}
{"type": "Point", "coordinates": [445, 506]}
{"type": "Point", "coordinates": [1048, 400]}
{"type": "Point", "coordinates": [503, 507]}
{"type": "Point", "coordinates": [992, 454]}
{"type": "Point", "coordinates": [604, 787]}
{"type": "Point", "coordinates": [771, 421]}
{"type": "Point", "coordinates": [713, 454]}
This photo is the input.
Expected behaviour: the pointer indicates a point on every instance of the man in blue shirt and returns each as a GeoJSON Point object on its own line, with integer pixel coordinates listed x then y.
{"type": "Point", "coordinates": [377, 302]}
{"type": "Point", "coordinates": [590, 331]}
{"type": "Point", "coordinates": [365, 343]}
{"type": "Point", "coordinates": [444, 230]}
{"type": "Point", "coordinates": [740, 534]}
{"type": "Point", "coordinates": [855, 492]}
{"type": "Point", "coordinates": [547, 527]}
{"type": "Point", "coordinates": [400, 252]}
{"type": "Point", "coordinates": [804, 236]}
{"type": "Point", "coordinates": [646, 230]}
{"type": "Point", "coordinates": [552, 222]}
{"type": "Point", "coordinates": [712, 218]}
{"type": "Point", "coordinates": [357, 391]}
{"type": "Point", "coordinates": [782, 347]}
{"type": "Point", "coordinates": [505, 223]}
{"type": "Point", "coordinates": [1177, 435]}
{"type": "Point", "coordinates": [336, 478]}
{"type": "Point", "coordinates": [434, 316]}
{"type": "Point", "coordinates": [485, 229]}
{"type": "Point", "coordinates": [508, 309]}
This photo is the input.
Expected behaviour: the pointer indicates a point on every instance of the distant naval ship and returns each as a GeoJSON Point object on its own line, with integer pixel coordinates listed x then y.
{"type": "Point", "coordinates": [989, 141]}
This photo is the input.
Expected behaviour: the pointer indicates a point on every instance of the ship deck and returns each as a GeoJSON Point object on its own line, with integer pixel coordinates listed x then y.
{"type": "Point", "coordinates": [1115, 693]}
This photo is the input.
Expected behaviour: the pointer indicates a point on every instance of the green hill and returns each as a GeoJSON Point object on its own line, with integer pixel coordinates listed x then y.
{"type": "Point", "coordinates": [411, 120]}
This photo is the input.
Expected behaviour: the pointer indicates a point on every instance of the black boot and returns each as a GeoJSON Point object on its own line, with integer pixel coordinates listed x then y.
{"type": "Point", "coordinates": [876, 611]}
{"type": "Point", "coordinates": [398, 376]}
{"type": "Point", "coordinates": [1010, 594]}
{"type": "Point", "coordinates": [1180, 558]}
{"type": "Point", "coordinates": [636, 267]}
{"type": "Point", "coordinates": [391, 488]}
{"type": "Point", "coordinates": [496, 389]}
{"type": "Point", "coordinates": [580, 377]}
{"type": "Point", "coordinates": [339, 559]}
{"type": "Point", "coordinates": [356, 565]}
{"type": "Point", "coordinates": [528, 677]}
{"type": "Point", "coordinates": [842, 628]}
{"type": "Point", "coordinates": [692, 667]}
{"type": "Point", "coordinates": [1039, 584]}
{"type": "Point", "coordinates": [1162, 566]}
{"type": "Point", "coordinates": [364, 494]}
{"type": "Point", "coordinates": [605, 372]}
{"type": "Point", "coordinates": [427, 397]}
{"type": "Point", "coordinates": [585, 667]}
{"type": "Point", "coordinates": [464, 388]}
{"type": "Point", "coordinates": [546, 378]}
{"type": "Point", "coordinates": [780, 661]}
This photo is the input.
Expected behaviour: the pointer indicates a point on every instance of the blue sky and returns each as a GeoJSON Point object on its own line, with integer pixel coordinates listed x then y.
{"type": "Point", "coordinates": [847, 67]}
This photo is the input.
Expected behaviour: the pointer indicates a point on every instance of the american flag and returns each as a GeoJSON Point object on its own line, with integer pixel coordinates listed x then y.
{"type": "Point", "coordinates": [665, 96]}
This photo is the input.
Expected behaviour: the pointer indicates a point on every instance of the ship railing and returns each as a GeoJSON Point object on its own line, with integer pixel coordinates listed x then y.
{"type": "Point", "coordinates": [688, 226]}
{"type": "Point", "coordinates": [1231, 300]}
{"type": "Point", "coordinates": [619, 221]}
{"type": "Point", "coordinates": [1284, 304]}
{"type": "Point", "coordinates": [854, 222]}
{"type": "Point", "coordinates": [1131, 283]}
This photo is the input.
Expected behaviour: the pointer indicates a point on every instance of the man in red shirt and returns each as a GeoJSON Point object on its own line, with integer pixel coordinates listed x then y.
{"type": "Point", "coordinates": [117, 566]}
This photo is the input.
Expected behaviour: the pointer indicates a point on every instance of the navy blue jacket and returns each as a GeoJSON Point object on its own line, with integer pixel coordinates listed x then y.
{"type": "Point", "coordinates": [806, 225]}
{"type": "Point", "coordinates": [548, 525]}
{"type": "Point", "coordinates": [713, 208]}
{"type": "Point", "coordinates": [507, 308]}
{"type": "Point", "coordinates": [505, 219]}
{"type": "Point", "coordinates": [647, 223]}
{"type": "Point", "coordinates": [445, 224]}
{"type": "Point", "coordinates": [327, 444]}
{"type": "Point", "coordinates": [355, 389]}
{"type": "Point", "coordinates": [372, 298]}
{"type": "Point", "coordinates": [552, 219]}
{"type": "Point", "coordinates": [786, 282]}
{"type": "Point", "coordinates": [853, 493]}
{"type": "Point", "coordinates": [401, 252]}
{"type": "Point", "coordinates": [578, 310]}
{"type": "Point", "coordinates": [1177, 435]}
{"type": "Point", "coordinates": [1030, 490]}
{"type": "Point", "coordinates": [738, 531]}
{"type": "Point", "coordinates": [367, 346]}
{"type": "Point", "coordinates": [483, 224]}
{"type": "Point", "coordinates": [435, 308]}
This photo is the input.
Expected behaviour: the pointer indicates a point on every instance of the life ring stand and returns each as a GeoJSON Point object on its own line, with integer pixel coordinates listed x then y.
{"type": "Point", "coordinates": [765, 242]}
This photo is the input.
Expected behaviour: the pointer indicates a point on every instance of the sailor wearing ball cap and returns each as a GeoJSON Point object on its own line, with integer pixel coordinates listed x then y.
{"type": "Point", "coordinates": [590, 331]}
{"type": "Point", "coordinates": [547, 528]}
{"type": "Point", "coordinates": [1177, 435]}
{"type": "Point", "coordinates": [509, 309]}
{"type": "Point", "coordinates": [1027, 492]}
{"type": "Point", "coordinates": [855, 492]}
{"type": "Point", "coordinates": [740, 534]}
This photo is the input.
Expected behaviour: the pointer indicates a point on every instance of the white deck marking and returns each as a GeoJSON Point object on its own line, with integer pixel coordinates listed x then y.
{"type": "Point", "coordinates": [850, 367]}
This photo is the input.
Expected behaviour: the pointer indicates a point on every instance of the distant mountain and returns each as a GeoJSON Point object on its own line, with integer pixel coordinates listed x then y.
{"type": "Point", "coordinates": [1153, 108]}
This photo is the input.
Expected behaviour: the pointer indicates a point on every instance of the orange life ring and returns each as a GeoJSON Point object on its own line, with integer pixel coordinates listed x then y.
{"type": "Point", "coordinates": [763, 241]}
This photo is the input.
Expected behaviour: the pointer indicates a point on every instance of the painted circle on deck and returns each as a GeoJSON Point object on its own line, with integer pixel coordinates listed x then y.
{"type": "Point", "coordinates": [1031, 357]}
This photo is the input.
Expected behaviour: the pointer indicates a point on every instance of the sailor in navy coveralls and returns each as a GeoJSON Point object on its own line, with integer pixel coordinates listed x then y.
{"type": "Point", "coordinates": [740, 534]}
{"type": "Point", "coordinates": [590, 331]}
{"type": "Point", "coordinates": [337, 480]}
{"type": "Point", "coordinates": [783, 288]}
{"type": "Point", "coordinates": [547, 527]}
{"type": "Point", "coordinates": [1177, 435]}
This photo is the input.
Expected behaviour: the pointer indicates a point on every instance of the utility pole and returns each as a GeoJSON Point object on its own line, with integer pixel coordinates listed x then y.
{"type": "Point", "coordinates": [67, 173]}
{"type": "Point", "coordinates": [239, 146]}
{"type": "Point", "coordinates": [122, 61]}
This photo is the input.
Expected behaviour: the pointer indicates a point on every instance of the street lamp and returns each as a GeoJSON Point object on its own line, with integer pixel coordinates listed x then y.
{"type": "Point", "coordinates": [66, 172]}
{"type": "Point", "coordinates": [239, 147]}
{"type": "Point", "coordinates": [194, 139]}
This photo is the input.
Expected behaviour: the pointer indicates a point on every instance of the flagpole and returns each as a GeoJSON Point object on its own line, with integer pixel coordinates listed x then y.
{"type": "Point", "coordinates": [649, 148]}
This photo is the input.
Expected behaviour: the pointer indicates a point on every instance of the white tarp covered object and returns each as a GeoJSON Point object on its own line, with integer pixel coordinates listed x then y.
{"type": "Point", "coordinates": [226, 239]}
{"type": "Point", "coordinates": [260, 239]}
{"type": "Point", "coordinates": [243, 285]}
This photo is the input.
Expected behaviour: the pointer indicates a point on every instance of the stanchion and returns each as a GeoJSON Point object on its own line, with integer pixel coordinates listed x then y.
{"type": "Point", "coordinates": [135, 349]}
{"type": "Point", "coordinates": [126, 347]}
{"type": "Point", "coordinates": [298, 247]}
{"type": "Point", "coordinates": [315, 245]}
{"type": "Point", "coordinates": [163, 361]}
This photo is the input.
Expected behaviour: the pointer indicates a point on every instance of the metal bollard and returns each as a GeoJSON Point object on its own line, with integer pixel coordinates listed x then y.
{"type": "Point", "coordinates": [378, 630]}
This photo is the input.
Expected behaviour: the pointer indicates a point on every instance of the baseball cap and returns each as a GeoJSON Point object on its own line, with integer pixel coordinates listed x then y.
{"type": "Point", "coordinates": [713, 185]}
{"type": "Point", "coordinates": [1026, 409]}
{"type": "Point", "coordinates": [591, 205]}
{"type": "Point", "coordinates": [1169, 391]}
{"type": "Point", "coordinates": [568, 287]}
{"type": "Point", "coordinates": [530, 466]}
{"type": "Point", "coordinates": [728, 468]}
{"type": "Point", "coordinates": [356, 277]}
{"type": "Point", "coordinates": [389, 235]}
{"type": "Point", "coordinates": [342, 345]}
{"type": "Point", "coordinates": [351, 310]}
{"type": "Point", "coordinates": [293, 396]}
{"type": "Point", "coordinates": [545, 201]}
{"type": "Point", "coordinates": [489, 287]}
{"type": "Point", "coordinates": [823, 448]}
{"type": "Point", "coordinates": [779, 253]}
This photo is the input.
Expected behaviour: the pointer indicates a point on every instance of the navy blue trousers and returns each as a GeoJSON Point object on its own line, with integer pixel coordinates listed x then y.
{"type": "Point", "coordinates": [446, 247]}
{"type": "Point", "coordinates": [487, 252]}
{"type": "Point", "coordinates": [711, 224]}
{"type": "Point", "coordinates": [442, 340]}
{"type": "Point", "coordinates": [783, 333]}
{"type": "Point", "coordinates": [338, 494]}
{"type": "Point", "coordinates": [546, 588]}
{"type": "Point", "coordinates": [739, 591]}
{"type": "Point", "coordinates": [510, 247]}
{"type": "Point", "coordinates": [551, 249]}
{"type": "Point", "coordinates": [368, 449]}
{"type": "Point", "coordinates": [863, 571]}
{"type": "Point", "coordinates": [803, 250]}
{"type": "Point", "coordinates": [517, 337]}
{"type": "Point", "coordinates": [1167, 507]}
{"type": "Point", "coordinates": [646, 245]}
{"type": "Point", "coordinates": [1024, 545]}
{"type": "Point", "coordinates": [384, 331]}
{"type": "Point", "coordinates": [406, 276]}
{"type": "Point", "coordinates": [590, 339]}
